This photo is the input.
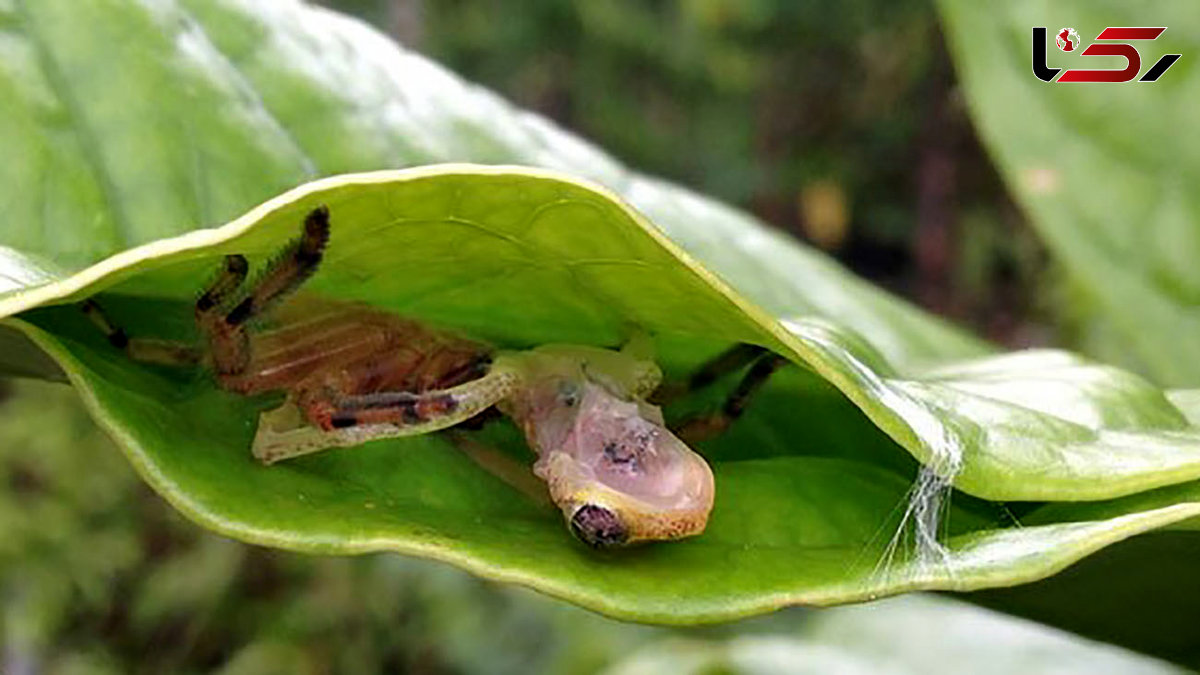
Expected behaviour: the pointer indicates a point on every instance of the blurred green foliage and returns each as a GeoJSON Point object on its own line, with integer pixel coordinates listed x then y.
{"type": "Point", "coordinates": [757, 102]}
{"type": "Point", "coordinates": [1106, 173]}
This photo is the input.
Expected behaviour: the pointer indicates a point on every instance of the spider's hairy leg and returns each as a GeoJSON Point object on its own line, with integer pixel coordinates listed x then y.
{"type": "Point", "coordinates": [145, 350]}
{"type": "Point", "coordinates": [229, 344]}
{"type": "Point", "coordinates": [707, 426]}
{"type": "Point", "coordinates": [316, 420]}
{"type": "Point", "coordinates": [731, 360]}
{"type": "Point", "coordinates": [226, 329]}
{"type": "Point", "coordinates": [221, 289]}
{"type": "Point", "coordinates": [291, 267]}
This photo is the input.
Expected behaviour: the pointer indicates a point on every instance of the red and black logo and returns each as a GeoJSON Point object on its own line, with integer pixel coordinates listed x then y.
{"type": "Point", "coordinates": [1110, 42]}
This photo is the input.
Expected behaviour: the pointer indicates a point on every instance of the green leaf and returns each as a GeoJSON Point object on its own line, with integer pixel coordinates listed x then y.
{"type": "Point", "coordinates": [1106, 172]}
{"type": "Point", "coordinates": [922, 634]}
{"type": "Point", "coordinates": [205, 108]}
{"type": "Point", "coordinates": [93, 531]}
{"type": "Point", "coordinates": [521, 257]}
{"type": "Point", "coordinates": [1141, 594]}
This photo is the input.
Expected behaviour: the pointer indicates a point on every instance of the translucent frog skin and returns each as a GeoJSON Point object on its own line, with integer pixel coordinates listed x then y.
{"type": "Point", "coordinates": [613, 468]}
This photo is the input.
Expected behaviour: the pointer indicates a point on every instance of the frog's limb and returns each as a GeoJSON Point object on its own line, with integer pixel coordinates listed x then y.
{"type": "Point", "coordinates": [713, 424]}
{"type": "Point", "coordinates": [620, 372]}
{"type": "Point", "coordinates": [517, 475]}
{"type": "Point", "coordinates": [316, 421]}
{"type": "Point", "coordinates": [145, 350]}
{"type": "Point", "coordinates": [639, 346]}
{"type": "Point", "coordinates": [224, 327]}
{"type": "Point", "coordinates": [731, 360]}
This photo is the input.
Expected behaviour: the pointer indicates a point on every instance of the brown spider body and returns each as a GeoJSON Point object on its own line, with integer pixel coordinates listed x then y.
{"type": "Point", "coordinates": [352, 351]}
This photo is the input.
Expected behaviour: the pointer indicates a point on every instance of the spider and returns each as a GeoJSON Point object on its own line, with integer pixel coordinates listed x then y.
{"type": "Point", "coordinates": [352, 374]}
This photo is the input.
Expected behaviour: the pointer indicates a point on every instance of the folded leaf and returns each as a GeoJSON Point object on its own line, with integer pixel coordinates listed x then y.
{"type": "Point", "coordinates": [523, 257]}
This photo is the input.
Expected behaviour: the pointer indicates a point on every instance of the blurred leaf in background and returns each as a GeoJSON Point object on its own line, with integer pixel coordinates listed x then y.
{"type": "Point", "coordinates": [1106, 172]}
{"type": "Point", "coordinates": [763, 102]}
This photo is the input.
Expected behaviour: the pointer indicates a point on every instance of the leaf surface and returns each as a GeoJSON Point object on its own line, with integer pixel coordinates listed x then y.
{"type": "Point", "coordinates": [1106, 172]}
{"type": "Point", "coordinates": [235, 103]}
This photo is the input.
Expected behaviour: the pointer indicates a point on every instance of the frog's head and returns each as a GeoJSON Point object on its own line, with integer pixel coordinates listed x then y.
{"type": "Point", "coordinates": [620, 476]}
{"type": "Point", "coordinates": [613, 468]}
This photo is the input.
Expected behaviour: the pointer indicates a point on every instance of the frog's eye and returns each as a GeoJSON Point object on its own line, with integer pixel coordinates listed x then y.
{"type": "Point", "coordinates": [598, 526]}
{"type": "Point", "coordinates": [568, 393]}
